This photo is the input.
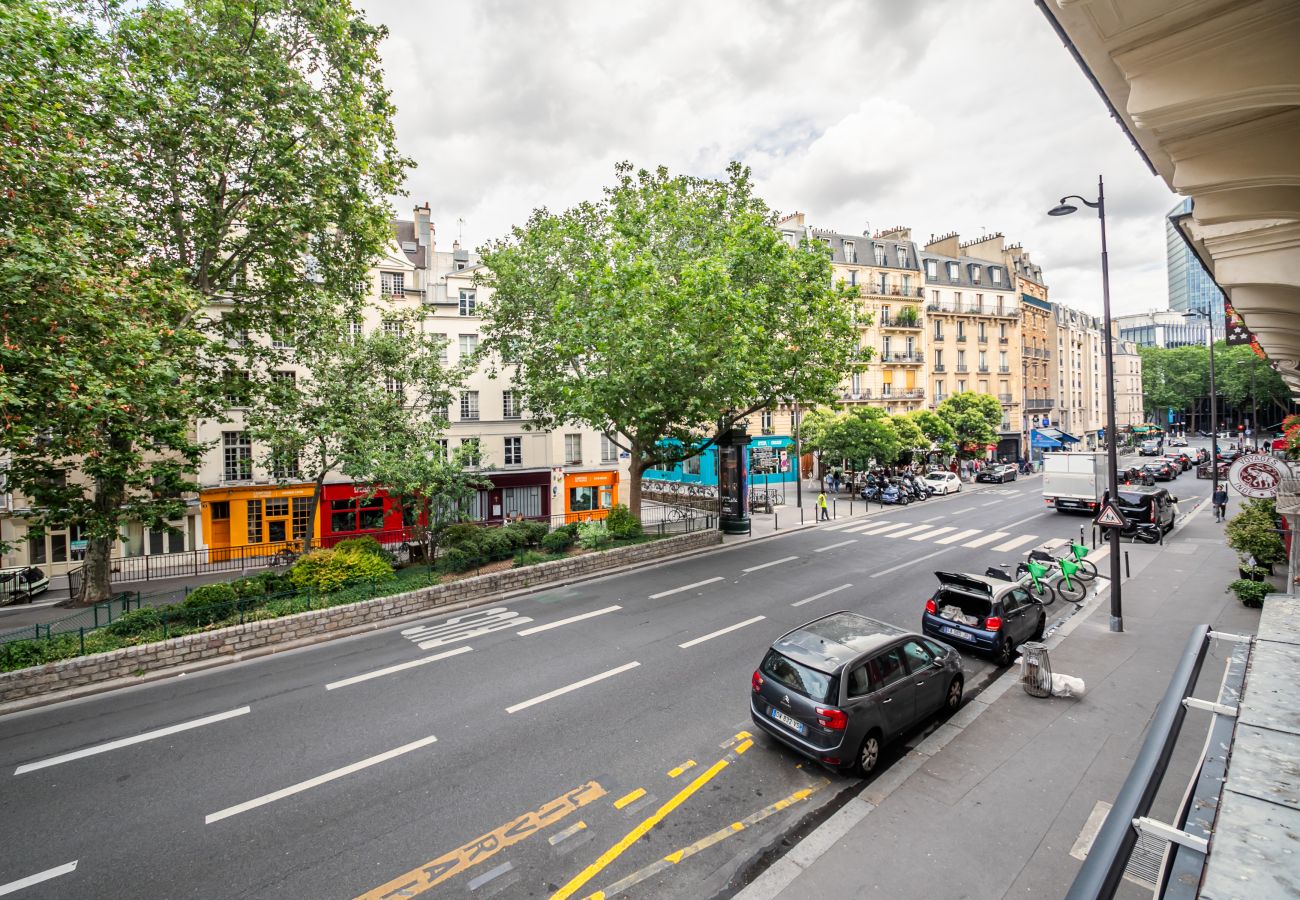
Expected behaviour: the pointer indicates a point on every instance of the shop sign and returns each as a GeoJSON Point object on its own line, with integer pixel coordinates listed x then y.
{"type": "Point", "coordinates": [1257, 475]}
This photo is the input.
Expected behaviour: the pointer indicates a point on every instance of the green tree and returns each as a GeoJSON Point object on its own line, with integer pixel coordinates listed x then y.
{"type": "Point", "coordinates": [667, 308]}
{"type": "Point", "coordinates": [936, 430]}
{"type": "Point", "coordinates": [1173, 378]}
{"type": "Point", "coordinates": [1247, 382]}
{"type": "Point", "coordinates": [910, 436]}
{"type": "Point", "coordinates": [974, 419]}
{"type": "Point", "coordinates": [858, 437]}
{"type": "Point", "coordinates": [367, 401]}
{"type": "Point", "coordinates": [163, 158]}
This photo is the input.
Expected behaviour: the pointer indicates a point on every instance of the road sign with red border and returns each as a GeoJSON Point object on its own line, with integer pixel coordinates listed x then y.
{"type": "Point", "coordinates": [1111, 517]}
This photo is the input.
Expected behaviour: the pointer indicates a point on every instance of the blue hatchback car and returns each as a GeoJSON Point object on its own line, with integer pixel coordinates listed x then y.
{"type": "Point", "coordinates": [983, 614]}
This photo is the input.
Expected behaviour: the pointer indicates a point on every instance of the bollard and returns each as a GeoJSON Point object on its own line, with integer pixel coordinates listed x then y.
{"type": "Point", "coordinates": [82, 631]}
{"type": "Point", "coordinates": [801, 515]}
{"type": "Point", "coordinates": [1126, 572]}
{"type": "Point", "coordinates": [1081, 540]}
{"type": "Point", "coordinates": [850, 507]}
{"type": "Point", "coordinates": [835, 508]}
{"type": "Point", "coordinates": [776, 521]}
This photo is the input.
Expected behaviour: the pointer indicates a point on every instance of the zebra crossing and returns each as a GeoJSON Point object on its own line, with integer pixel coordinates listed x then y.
{"type": "Point", "coordinates": [943, 535]}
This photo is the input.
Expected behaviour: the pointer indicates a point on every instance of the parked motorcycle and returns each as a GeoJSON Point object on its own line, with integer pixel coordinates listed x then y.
{"type": "Point", "coordinates": [894, 495]}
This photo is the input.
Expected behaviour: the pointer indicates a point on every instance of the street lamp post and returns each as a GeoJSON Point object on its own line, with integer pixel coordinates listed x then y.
{"type": "Point", "coordinates": [1112, 437]}
{"type": "Point", "coordinates": [1214, 406]}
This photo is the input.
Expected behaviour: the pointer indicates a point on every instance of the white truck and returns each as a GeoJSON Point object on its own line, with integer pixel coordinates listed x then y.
{"type": "Point", "coordinates": [1075, 482]}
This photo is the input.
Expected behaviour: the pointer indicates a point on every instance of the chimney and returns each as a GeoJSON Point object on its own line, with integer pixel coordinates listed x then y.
{"type": "Point", "coordinates": [988, 248]}
{"type": "Point", "coordinates": [424, 231]}
{"type": "Point", "coordinates": [897, 233]}
{"type": "Point", "coordinates": [945, 244]}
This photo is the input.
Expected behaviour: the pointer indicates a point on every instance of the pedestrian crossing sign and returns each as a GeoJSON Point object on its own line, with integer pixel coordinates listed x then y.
{"type": "Point", "coordinates": [1110, 517]}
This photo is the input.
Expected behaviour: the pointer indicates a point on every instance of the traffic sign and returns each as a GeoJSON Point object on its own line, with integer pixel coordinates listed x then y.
{"type": "Point", "coordinates": [1111, 517]}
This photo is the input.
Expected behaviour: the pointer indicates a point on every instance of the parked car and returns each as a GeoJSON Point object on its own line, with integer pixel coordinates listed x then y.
{"type": "Point", "coordinates": [1229, 455]}
{"type": "Point", "coordinates": [1185, 459]}
{"type": "Point", "coordinates": [839, 688]}
{"type": "Point", "coordinates": [19, 584]}
{"type": "Point", "coordinates": [984, 614]}
{"type": "Point", "coordinates": [1149, 447]}
{"type": "Point", "coordinates": [1137, 475]}
{"type": "Point", "coordinates": [1174, 463]}
{"type": "Point", "coordinates": [1160, 470]}
{"type": "Point", "coordinates": [1147, 507]}
{"type": "Point", "coordinates": [1001, 473]}
{"type": "Point", "coordinates": [1205, 471]}
{"type": "Point", "coordinates": [943, 482]}
{"type": "Point", "coordinates": [1177, 441]}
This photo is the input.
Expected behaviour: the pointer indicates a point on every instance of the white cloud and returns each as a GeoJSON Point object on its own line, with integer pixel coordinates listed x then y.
{"type": "Point", "coordinates": [941, 116]}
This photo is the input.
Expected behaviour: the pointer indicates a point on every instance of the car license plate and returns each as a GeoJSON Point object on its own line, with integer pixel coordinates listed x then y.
{"type": "Point", "coordinates": [954, 632]}
{"type": "Point", "coordinates": [789, 721]}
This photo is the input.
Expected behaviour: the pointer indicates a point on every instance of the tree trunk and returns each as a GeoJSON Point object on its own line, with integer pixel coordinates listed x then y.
{"type": "Point", "coordinates": [636, 468]}
{"type": "Point", "coordinates": [309, 539]}
{"type": "Point", "coordinates": [96, 581]}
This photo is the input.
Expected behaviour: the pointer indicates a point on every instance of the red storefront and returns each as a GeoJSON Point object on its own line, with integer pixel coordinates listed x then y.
{"type": "Point", "coordinates": [351, 511]}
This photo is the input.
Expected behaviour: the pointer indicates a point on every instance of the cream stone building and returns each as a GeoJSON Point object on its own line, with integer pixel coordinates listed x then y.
{"type": "Point", "coordinates": [1077, 365]}
{"type": "Point", "coordinates": [973, 330]}
{"type": "Point", "coordinates": [1129, 403]}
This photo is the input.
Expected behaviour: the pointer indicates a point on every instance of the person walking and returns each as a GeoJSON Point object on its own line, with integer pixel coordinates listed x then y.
{"type": "Point", "coordinates": [822, 515]}
{"type": "Point", "coordinates": [1220, 501]}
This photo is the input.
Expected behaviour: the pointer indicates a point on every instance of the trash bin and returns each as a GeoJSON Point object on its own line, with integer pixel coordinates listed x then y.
{"type": "Point", "coordinates": [1035, 669]}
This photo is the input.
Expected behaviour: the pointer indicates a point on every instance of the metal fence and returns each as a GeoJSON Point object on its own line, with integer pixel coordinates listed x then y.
{"type": "Point", "coordinates": [88, 619]}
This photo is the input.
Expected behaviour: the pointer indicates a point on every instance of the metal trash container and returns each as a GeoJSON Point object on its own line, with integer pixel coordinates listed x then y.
{"type": "Point", "coordinates": [1035, 669]}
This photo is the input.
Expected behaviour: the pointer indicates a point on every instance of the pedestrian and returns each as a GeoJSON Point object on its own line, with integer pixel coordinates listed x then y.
{"type": "Point", "coordinates": [821, 505]}
{"type": "Point", "coordinates": [1220, 501]}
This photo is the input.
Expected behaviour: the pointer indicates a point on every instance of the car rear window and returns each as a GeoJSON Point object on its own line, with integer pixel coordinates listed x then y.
{"type": "Point", "coordinates": [962, 608]}
{"type": "Point", "coordinates": [797, 677]}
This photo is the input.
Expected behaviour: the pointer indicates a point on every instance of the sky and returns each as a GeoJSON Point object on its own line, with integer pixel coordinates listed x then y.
{"type": "Point", "coordinates": [941, 115]}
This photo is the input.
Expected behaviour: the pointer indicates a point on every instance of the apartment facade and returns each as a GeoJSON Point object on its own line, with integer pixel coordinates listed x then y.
{"type": "Point", "coordinates": [973, 329]}
{"type": "Point", "coordinates": [1077, 367]}
{"type": "Point", "coordinates": [1129, 401]}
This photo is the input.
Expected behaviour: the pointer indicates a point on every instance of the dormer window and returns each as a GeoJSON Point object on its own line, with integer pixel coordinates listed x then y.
{"type": "Point", "coordinates": [997, 276]}
{"type": "Point", "coordinates": [902, 258]}
{"type": "Point", "coordinates": [880, 255]}
{"type": "Point", "coordinates": [850, 252]}
{"type": "Point", "coordinates": [953, 271]}
{"type": "Point", "coordinates": [975, 274]}
{"type": "Point", "coordinates": [931, 268]}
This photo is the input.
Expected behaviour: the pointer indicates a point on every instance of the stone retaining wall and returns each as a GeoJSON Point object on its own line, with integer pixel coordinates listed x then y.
{"type": "Point", "coordinates": [235, 639]}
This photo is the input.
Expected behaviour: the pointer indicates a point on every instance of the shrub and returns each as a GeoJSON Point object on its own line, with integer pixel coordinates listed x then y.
{"type": "Point", "coordinates": [494, 543]}
{"type": "Point", "coordinates": [461, 536]}
{"type": "Point", "coordinates": [527, 534]}
{"type": "Point", "coordinates": [1250, 593]}
{"type": "Point", "coordinates": [276, 582]}
{"type": "Point", "coordinates": [593, 535]}
{"type": "Point", "coordinates": [253, 586]}
{"type": "Point", "coordinates": [208, 603]}
{"type": "Point", "coordinates": [137, 621]}
{"type": "Point", "coordinates": [366, 544]}
{"type": "Point", "coordinates": [622, 524]}
{"type": "Point", "coordinates": [1253, 532]}
{"type": "Point", "coordinates": [329, 570]}
{"type": "Point", "coordinates": [457, 560]}
{"type": "Point", "coordinates": [572, 529]}
{"type": "Point", "coordinates": [557, 541]}
{"type": "Point", "coordinates": [529, 558]}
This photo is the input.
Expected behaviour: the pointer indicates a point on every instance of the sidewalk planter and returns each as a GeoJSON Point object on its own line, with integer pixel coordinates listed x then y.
{"type": "Point", "coordinates": [1250, 593]}
{"type": "Point", "coordinates": [1253, 533]}
{"type": "Point", "coordinates": [315, 626]}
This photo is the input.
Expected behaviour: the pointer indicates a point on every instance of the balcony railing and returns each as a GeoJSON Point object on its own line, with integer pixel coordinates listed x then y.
{"type": "Point", "coordinates": [1040, 403]}
{"type": "Point", "coordinates": [895, 357]}
{"type": "Point", "coordinates": [940, 367]}
{"type": "Point", "coordinates": [911, 393]}
{"type": "Point", "coordinates": [1003, 340]}
{"type": "Point", "coordinates": [891, 290]}
{"type": "Point", "coordinates": [1047, 354]}
{"type": "Point", "coordinates": [984, 369]}
{"type": "Point", "coordinates": [856, 395]}
{"type": "Point", "coordinates": [1009, 310]}
{"type": "Point", "coordinates": [901, 324]}
{"type": "Point", "coordinates": [962, 338]}
{"type": "Point", "coordinates": [982, 338]}
{"type": "Point", "coordinates": [1005, 399]}
{"type": "Point", "coordinates": [962, 367]}
{"type": "Point", "coordinates": [1004, 370]}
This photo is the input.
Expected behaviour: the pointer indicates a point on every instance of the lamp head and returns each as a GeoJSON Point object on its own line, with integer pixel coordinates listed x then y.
{"type": "Point", "coordinates": [1064, 209]}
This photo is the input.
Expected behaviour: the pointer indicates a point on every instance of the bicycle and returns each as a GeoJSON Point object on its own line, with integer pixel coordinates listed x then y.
{"type": "Point", "coordinates": [1085, 570]}
{"type": "Point", "coordinates": [1068, 587]}
{"type": "Point", "coordinates": [1031, 574]}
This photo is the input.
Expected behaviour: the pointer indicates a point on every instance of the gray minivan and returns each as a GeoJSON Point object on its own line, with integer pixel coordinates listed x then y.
{"type": "Point", "coordinates": [840, 687]}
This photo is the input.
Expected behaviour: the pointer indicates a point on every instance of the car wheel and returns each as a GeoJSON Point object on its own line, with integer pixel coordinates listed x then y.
{"type": "Point", "coordinates": [868, 754]}
{"type": "Point", "coordinates": [1006, 650]}
{"type": "Point", "coordinates": [1042, 628]}
{"type": "Point", "coordinates": [952, 701]}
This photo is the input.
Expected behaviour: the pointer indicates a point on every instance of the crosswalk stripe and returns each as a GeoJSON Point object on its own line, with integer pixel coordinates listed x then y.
{"type": "Point", "coordinates": [987, 539]}
{"type": "Point", "coordinates": [959, 536]}
{"type": "Point", "coordinates": [1015, 542]}
{"type": "Point", "coordinates": [859, 527]}
{"type": "Point", "coordinates": [931, 534]}
{"type": "Point", "coordinates": [890, 527]}
{"type": "Point", "coordinates": [906, 531]}
{"type": "Point", "coordinates": [836, 526]}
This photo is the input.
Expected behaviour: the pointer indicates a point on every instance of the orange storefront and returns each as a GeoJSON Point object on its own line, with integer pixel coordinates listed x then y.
{"type": "Point", "coordinates": [589, 495]}
{"type": "Point", "coordinates": [256, 516]}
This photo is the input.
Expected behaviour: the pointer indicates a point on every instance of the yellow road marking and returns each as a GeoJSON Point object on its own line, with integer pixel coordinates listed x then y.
{"type": "Point", "coordinates": [732, 741]}
{"type": "Point", "coordinates": [436, 871]}
{"type": "Point", "coordinates": [689, 764]}
{"type": "Point", "coordinates": [635, 834]}
{"type": "Point", "coordinates": [741, 748]}
{"type": "Point", "coordinates": [704, 843]}
{"type": "Point", "coordinates": [629, 798]}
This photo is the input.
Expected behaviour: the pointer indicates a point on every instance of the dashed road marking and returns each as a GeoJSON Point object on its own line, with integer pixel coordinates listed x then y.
{"type": "Point", "coordinates": [775, 562]}
{"type": "Point", "coordinates": [720, 632]}
{"type": "Point", "coordinates": [400, 667]}
{"type": "Point", "coordinates": [734, 740]}
{"type": "Point", "coordinates": [567, 833]}
{"type": "Point", "coordinates": [630, 797]}
{"type": "Point", "coordinates": [684, 767]}
{"type": "Point", "coordinates": [569, 621]}
{"type": "Point", "coordinates": [910, 562]}
{"type": "Point", "coordinates": [834, 590]}
{"type": "Point", "coordinates": [833, 546]}
{"type": "Point", "coordinates": [30, 880]}
{"type": "Point", "coordinates": [686, 587]}
{"type": "Point", "coordinates": [551, 695]}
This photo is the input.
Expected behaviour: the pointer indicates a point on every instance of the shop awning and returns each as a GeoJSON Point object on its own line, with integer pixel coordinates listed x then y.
{"type": "Point", "coordinates": [1058, 435]}
{"type": "Point", "coordinates": [1040, 441]}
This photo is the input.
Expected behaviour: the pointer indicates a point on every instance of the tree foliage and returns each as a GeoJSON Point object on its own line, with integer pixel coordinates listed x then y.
{"type": "Point", "coordinates": [668, 305]}
{"type": "Point", "coordinates": [859, 437]}
{"type": "Point", "coordinates": [1179, 377]}
{"type": "Point", "coordinates": [974, 419]}
{"type": "Point", "coordinates": [939, 433]}
{"type": "Point", "coordinates": [161, 157]}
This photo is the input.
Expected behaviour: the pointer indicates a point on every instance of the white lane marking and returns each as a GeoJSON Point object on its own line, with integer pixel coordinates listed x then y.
{"type": "Point", "coordinates": [906, 531]}
{"type": "Point", "coordinates": [932, 534]}
{"type": "Point", "coordinates": [959, 536]}
{"type": "Point", "coordinates": [834, 590]}
{"type": "Point", "coordinates": [685, 587]}
{"type": "Point", "coordinates": [721, 631]}
{"type": "Point", "coordinates": [127, 742]}
{"type": "Point", "coordinates": [30, 880]}
{"type": "Point", "coordinates": [987, 539]}
{"type": "Point", "coordinates": [958, 512]}
{"type": "Point", "coordinates": [890, 527]}
{"type": "Point", "coordinates": [911, 562]}
{"type": "Point", "coordinates": [775, 562]}
{"type": "Point", "coordinates": [1015, 542]}
{"type": "Point", "coordinates": [550, 695]}
{"type": "Point", "coordinates": [933, 518]}
{"type": "Point", "coordinates": [569, 621]}
{"type": "Point", "coordinates": [400, 667]}
{"type": "Point", "coordinates": [833, 546]}
{"type": "Point", "coordinates": [991, 503]}
{"type": "Point", "coordinates": [836, 526]}
{"type": "Point", "coordinates": [463, 627]}
{"type": "Point", "coordinates": [317, 781]}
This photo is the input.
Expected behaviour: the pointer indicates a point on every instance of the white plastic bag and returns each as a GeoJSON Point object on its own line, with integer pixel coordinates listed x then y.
{"type": "Point", "coordinates": [1067, 686]}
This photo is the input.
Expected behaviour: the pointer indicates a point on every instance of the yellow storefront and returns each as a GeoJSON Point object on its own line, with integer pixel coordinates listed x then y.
{"type": "Point", "coordinates": [589, 495]}
{"type": "Point", "coordinates": [261, 518]}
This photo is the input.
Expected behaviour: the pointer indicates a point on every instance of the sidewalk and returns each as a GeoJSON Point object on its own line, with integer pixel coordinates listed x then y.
{"type": "Point", "coordinates": [993, 803]}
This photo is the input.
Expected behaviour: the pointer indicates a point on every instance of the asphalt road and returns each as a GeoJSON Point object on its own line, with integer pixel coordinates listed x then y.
{"type": "Point", "coordinates": [484, 753]}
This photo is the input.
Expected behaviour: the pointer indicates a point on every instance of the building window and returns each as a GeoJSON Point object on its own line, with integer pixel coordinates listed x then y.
{"type": "Point", "coordinates": [885, 312]}
{"type": "Point", "coordinates": [931, 268]}
{"type": "Point", "coordinates": [853, 277]}
{"type": "Point", "coordinates": [765, 418]}
{"type": "Point", "coordinates": [938, 329]}
{"type": "Point", "coordinates": [281, 338]}
{"type": "Point", "coordinates": [395, 386]}
{"type": "Point", "coordinates": [880, 255]}
{"type": "Point", "coordinates": [392, 284]}
{"type": "Point", "coordinates": [907, 285]}
{"type": "Point", "coordinates": [522, 501]}
{"type": "Point", "coordinates": [468, 301]}
{"type": "Point", "coordinates": [573, 449]}
{"type": "Point", "coordinates": [514, 452]}
{"type": "Point", "coordinates": [237, 456]}
{"type": "Point", "coordinates": [301, 510]}
{"type": "Point", "coordinates": [884, 283]}
{"type": "Point", "coordinates": [938, 359]}
{"type": "Point", "coordinates": [393, 327]}
{"type": "Point", "coordinates": [468, 345]}
{"type": "Point", "coordinates": [255, 521]}
{"type": "Point", "coordinates": [36, 550]}
{"type": "Point", "coordinates": [236, 386]}
{"type": "Point", "coordinates": [996, 275]}
{"type": "Point", "coordinates": [608, 450]}
{"type": "Point", "coordinates": [354, 330]}
{"type": "Point", "coordinates": [953, 271]}
{"type": "Point", "coordinates": [357, 514]}
{"type": "Point", "coordinates": [442, 347]}
{"type": "Point", "coordinates": [441, 444]}
{"type": "Point", "coordinates": [961, 330]}
{"type": "Point", "coordinates": [961, 385]}
{"type": "Point", "coordinates": [956, 299]}
{"type": "Point", "coordinates": [468, 405]}
{"type": "Point", "coordinates": [285, 465]}
{"type": "Point", "coordinates": [510, 405]}
{"type": "Point", "coordinates": [975, 274]}
{"type": "Point", "coordinates": [850, 252]}
{"type": "Point", "coordinates": [979, 329]}
{"type": "Point", "coordinates": [471, 449]}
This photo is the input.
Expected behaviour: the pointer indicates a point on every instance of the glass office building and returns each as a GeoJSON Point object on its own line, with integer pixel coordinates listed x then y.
{"type": "Point", "coordinates": [1190, 286]}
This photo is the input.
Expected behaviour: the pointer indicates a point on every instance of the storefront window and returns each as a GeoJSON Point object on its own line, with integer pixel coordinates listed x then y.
{"type": "Point", "coordinates": [582, 499]}
{"type": "Point", "coordinates": [277, 506]}
{"type": "Point", "coordinates": [522, 501]}
{"type": "Point", "coordinates": [58, 548]}
{"type": "Point", "coordinates": [362, 514]}
{"type": "Point", "coordinates": [255, 521]}
{"type": "Point", "coordinates": [36, 550]}
{"type": "Point", "coordinates": [343, 515]}
{"type": "Point", "coordinates": [301, 505]}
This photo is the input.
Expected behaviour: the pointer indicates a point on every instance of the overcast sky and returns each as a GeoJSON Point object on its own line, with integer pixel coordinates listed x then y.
{"type": "Point", "coordinates": [863, 114]}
